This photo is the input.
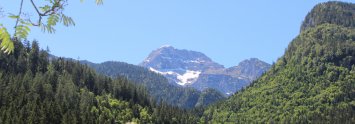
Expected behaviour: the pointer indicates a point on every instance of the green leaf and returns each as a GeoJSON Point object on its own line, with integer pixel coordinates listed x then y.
{"type": "Point", "coordinates": [45, 8]}
{"type": "Point", "coordinates": [47, 28]}
{"type": "Point", "coordinates": [22, 31]}
{"type": "Point", "coordinates": [6, 44]}
{"type": "Point", "coordinates": [53, 19]}
{"type": "Point", "coordinates": [67, 21]}
{"type": "Point", "coordinates": [14, 17]}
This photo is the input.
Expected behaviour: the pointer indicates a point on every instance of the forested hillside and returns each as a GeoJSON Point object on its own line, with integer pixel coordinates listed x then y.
{"type": "Point", "coordinates": [157, 85]}
{"type": "Point", "coordinates": [314, 82]}
{"type": "Point", "coordinates": [339, 13]}
{"type": "Point", "coordinates": [34, 89]}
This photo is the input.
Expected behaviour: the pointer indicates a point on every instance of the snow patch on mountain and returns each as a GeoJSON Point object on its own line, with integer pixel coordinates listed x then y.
{"type": "Point", "coordinates": [147, 60]}
{"type": "Point", "coordinates": [165, 46]}
{"type": "Point", "coordinates": [195, 69]}
{"type": "Point", "coordinates": [189, 77]}
{"type": "Point", "coordinates": [162, 73]}
{"type": "Point", "coordinates": [195, 61]}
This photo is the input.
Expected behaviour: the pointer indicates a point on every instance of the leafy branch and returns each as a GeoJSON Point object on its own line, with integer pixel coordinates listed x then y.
{"type": "Point", "coordinates": [6, 45]}
{"type": "Point", "coordinates": [52, 12]}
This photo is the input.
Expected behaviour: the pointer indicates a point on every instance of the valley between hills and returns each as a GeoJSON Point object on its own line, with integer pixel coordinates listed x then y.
{"type": "Point", "coordinates": [312, 82]}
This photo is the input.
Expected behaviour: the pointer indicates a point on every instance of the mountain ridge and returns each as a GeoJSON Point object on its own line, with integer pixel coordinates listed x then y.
{"type": "Point", "coordinates": [157, 85]}
{"type": "Point", "coordinates": [194, 69]}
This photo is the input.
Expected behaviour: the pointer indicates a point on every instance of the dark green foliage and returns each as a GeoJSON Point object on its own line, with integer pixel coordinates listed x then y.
{"type": "Point", "coordinates": [339, 13]}
{"type": "Point", "coordinates": [34, 89]}
{"type": "Point", "coordinates": [157, 85]}
{"type": "Point", "coordinates": [209, 96]}
{"type": "Point", "coordinates": [313, 82]}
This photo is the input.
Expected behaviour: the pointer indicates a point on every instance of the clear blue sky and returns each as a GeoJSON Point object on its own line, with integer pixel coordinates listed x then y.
{"type": "Point", "coordinates": [228, 31]}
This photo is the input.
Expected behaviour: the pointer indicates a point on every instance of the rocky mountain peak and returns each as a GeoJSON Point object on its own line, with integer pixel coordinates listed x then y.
{"type": "Point", "coordinates": [252, 62]}
{"type": "Point", "coordinates": [249, 68]}
{"type": "Point", "coordinates": [194, 69]}
{"type": "Point", "coordinates": [169, 58]}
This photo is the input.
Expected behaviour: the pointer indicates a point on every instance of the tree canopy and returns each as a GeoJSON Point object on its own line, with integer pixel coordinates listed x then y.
{"type": "Point", "coordinates": [35, 88]}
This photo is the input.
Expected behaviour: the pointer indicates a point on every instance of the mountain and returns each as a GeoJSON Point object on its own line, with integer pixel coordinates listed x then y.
{"type": "Point", "coordinates": [38, 88]}
{"type": "Point", "coordinates": [250, 68]}
{"type": "Point", "coordinates": [157, 85]}
{"type": "Point", "coordinates": [232, 79]}
{"type": "Point", "coordinates": [194, 69]}
{"type": "Point", "coordinates": [169, 58]}
{"type": "Point", "coordinates": [180, 66]}
{"type": "Point", "coordinates": [313, 82]}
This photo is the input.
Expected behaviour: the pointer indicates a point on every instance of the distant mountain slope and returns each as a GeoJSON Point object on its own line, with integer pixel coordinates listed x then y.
{"type": "Point", "coordinates": [169, 58]}
{"type": "Point", "coordinates": [157, 85]}
{"type": "Point", "coordinates": [180, 66]}
{"type": "Point", "coordinates": [232, 79]}
{"type": "Point", "coordinates": [195, 69]}
{"type": "Point", "coordinates": [313, 82]}
{"type": "Point", "coordinates": [38, 89]}
{"type": "Point", "coordinates": [250, 68]}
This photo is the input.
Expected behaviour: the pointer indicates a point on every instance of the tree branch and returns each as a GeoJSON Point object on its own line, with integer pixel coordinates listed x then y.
{"type": "Point", "coordinates": [18, 18]}
{"type": "Point", "coordinates": [46, 13]}
{"type": "Point", "coordinates": [34, 6]}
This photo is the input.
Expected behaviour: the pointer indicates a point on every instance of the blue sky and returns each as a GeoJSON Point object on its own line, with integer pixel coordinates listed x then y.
{"type": "Point", "coordinates": [228, 31]}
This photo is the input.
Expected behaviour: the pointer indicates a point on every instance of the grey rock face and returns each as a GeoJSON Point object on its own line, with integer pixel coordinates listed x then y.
{"type": "Point", "coordinates": [169, 58]}
{"type": "Point", "coordinates": [250, 68]}
{"type": "Point", "coordinates": [194, 69]}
